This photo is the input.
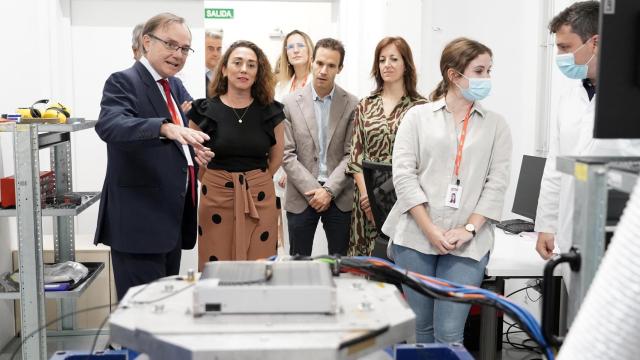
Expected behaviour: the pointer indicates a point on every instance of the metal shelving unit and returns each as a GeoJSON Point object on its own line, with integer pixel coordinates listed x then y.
{"type": "Point", "coordinates": [88, 198]}
{"type": "Point", "coordinates": [28, 139]}
{"type": "Point", "coordinates": [69, 294]}
{"type": "Point", "coordinates": [594, 176]}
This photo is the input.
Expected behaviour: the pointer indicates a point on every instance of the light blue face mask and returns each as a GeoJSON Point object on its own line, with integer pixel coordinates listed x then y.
{"type": "Point", "coordinates": [479, 88]}
{"type": "Point", "coordinates": [567, 65]}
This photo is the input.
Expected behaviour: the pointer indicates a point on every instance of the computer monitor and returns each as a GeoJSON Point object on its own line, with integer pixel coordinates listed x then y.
{"type": "Point", "coordinates": [525, 201]}
{"type": "Point", "coordinates": [618, 71]}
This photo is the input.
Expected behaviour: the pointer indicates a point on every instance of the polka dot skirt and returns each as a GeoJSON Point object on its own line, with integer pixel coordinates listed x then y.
{"type": "Point", "coordinates": [238, 216]}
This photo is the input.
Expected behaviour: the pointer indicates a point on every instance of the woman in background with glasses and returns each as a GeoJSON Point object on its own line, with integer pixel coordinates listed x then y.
{"type": "Point", "coordinates": [237, 216]}
{"type": "Point", "coordinates": [294, 72]}
{"type": "Point", "coordinates": [295, 63]}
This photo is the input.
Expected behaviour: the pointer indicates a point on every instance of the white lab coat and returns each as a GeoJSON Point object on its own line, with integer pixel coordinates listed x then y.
{"type": "Point", "coordinates": [572, 135]}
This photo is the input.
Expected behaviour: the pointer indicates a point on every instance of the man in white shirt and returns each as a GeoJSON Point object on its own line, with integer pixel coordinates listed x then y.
{"type": "Point", "coordinates": [577, 40]}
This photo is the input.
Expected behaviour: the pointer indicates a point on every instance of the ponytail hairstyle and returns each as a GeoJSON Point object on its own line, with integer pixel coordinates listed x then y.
{"type": "Point", "coordinates": [456, 55]}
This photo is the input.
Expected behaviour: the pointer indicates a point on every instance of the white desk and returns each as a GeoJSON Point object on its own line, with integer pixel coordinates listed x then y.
{"type": "Point", "coordinates": [513, 256]}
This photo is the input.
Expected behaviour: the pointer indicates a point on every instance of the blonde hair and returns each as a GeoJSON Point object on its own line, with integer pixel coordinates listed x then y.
{"type": "Point", "coordinates": [285, 70]}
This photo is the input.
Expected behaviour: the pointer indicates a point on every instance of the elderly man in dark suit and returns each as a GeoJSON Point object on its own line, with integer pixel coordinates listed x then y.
{"type": "Point", "coordinates": [149, 199]}
{"type": "Point", "coordinates": [318, 134]}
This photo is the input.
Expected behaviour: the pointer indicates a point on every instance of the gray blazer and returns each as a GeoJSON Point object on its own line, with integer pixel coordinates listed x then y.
{"type": "Point", "coordinates": [301, 148]}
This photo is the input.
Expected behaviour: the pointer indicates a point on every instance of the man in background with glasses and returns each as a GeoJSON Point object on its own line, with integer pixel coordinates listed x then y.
{"type": "Point", "coordinates": [149, 199]}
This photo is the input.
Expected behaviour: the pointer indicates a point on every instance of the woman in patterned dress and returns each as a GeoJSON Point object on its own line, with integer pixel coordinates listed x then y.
{"type": "Point", "coordinates": [237, 214]}
{"type": "Point", "coordinates": [374, 129]}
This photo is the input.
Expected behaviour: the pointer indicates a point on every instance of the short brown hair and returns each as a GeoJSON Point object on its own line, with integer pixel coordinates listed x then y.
{"type": "Point", "coordinates": [262, 89]}
{"type": "Point", "coordinates": [409, 77]}
{"type": "Point", "coordinates": [162, 20]}
{"type": "Point", "coordinates": [285, 69]}
{"type": "Point", "coordinates": [583, 17]}
{"type": "Point", "coordinates": [457, 55]}
{"type": "Point", "coordinates": [331, 44]}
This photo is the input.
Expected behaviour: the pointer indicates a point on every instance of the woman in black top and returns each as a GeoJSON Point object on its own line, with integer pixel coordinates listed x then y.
{"type": "Point", "coordinates": [237, 213]}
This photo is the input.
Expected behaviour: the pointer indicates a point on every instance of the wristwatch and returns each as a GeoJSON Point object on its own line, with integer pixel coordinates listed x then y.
{"type": "Point", "coordinates": [471, 228]}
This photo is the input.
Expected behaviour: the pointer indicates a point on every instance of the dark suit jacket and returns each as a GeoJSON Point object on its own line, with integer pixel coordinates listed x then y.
{"type": "Point", "coordinates": [145, 207]}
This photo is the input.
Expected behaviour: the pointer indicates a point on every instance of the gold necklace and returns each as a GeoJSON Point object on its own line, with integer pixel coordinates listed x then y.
{"type": "Point", "coordinates": [243, 114]}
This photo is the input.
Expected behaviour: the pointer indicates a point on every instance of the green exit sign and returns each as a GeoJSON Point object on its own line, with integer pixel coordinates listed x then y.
{"type": "Point", "coordinates": [218, 13]}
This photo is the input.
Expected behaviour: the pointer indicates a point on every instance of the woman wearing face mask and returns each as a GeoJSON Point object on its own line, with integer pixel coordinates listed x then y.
{"type": "Point", "coordinates": [451, 162]}
{"type": "Point", "coordinates": [375, 123]}
{"type": "Point", "coordinates": [237, 215]}
{"type": "Point", "coordinates": [294, 72]}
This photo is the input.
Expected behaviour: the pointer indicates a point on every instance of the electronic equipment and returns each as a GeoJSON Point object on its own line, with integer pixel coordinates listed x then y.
{"type": "Point", "coordinates": [516, 226]}
{"type": "Point", "coordinates": [283, 287]}
{"type": "Point", "coordinates": [158, 319]}
{"type": "Point", "coordinates": [525, 201]}
{"type": "Point", "coordinates": [68, 200]}
{"type": "Point", "coordinates": [618, 71]}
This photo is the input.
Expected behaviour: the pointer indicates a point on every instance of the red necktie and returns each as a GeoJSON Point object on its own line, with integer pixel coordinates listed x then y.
{"type": "Point", "coordinates": [176, 120]}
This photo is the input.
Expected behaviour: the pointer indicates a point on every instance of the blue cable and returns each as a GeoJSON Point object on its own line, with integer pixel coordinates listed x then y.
{"type": "Point", "coordinates": [522, 314]}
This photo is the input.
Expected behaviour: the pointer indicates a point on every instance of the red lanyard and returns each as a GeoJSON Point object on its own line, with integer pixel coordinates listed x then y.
{"type": "Point", "coordinates": [463, 135]}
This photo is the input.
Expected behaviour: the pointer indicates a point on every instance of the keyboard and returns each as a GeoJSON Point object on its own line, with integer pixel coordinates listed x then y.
{"type": "Point", "coordinates": [516, 226]}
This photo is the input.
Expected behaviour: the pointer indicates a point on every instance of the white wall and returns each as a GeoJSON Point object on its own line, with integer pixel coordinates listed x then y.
{"type": "Point", "coordinates": [69, 49]}
{"type": "Point", "coordinates": [267, 17]}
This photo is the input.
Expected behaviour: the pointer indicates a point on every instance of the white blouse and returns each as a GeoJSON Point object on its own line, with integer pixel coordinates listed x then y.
{"type": "Point", "coordinates": [283, 88]}
{"type": "Point", "coordinates": [423, 167]}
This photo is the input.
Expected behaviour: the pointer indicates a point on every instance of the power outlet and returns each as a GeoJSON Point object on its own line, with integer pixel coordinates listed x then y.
{"type": "Point", "coordinates": [535, 284]}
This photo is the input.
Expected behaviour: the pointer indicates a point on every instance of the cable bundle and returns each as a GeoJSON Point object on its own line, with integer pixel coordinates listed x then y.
{"type": "Point", "coordinates": [382, 270]}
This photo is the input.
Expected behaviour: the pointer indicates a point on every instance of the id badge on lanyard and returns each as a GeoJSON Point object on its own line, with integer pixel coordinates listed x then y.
{"type": "Point", "coordinates": [454, 191]}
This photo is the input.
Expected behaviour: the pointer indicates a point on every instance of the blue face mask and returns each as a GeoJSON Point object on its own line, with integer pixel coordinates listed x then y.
{"type": "Point", "coordinates": [479, 88]}
{"type": "Point", "coordinates": [567, 65]}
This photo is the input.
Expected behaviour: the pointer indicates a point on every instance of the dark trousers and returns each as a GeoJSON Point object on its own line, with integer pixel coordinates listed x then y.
{"type": "Point", "coordinates": [131, 270]}
{"type": "Point", "coordinates": [302, 228]}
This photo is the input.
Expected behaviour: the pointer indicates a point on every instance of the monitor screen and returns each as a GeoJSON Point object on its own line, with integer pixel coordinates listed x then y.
{"type": "Point", "coordinates": [618, 85]}
{"type": "Point", "coordinates": [525, 201]}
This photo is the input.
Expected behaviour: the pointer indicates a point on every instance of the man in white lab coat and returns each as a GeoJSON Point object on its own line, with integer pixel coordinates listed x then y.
{"type": "Point", "coordinates": [576, 30]}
